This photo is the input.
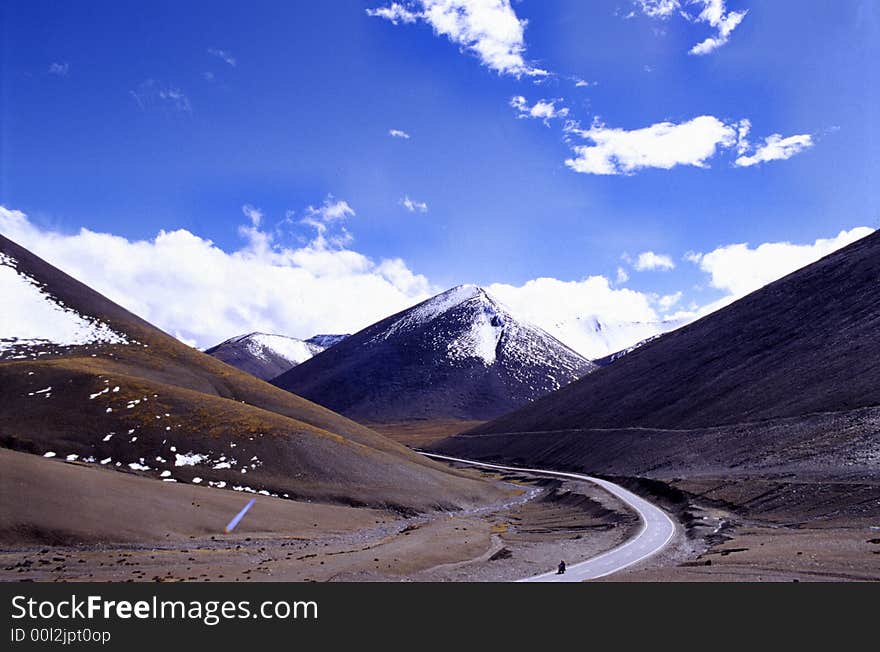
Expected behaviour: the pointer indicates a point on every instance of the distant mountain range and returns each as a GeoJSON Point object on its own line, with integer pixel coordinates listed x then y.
{"type": "Point", "coordinates": [458, 355]}
{"type": "Point", "coordinates": [598, 339]}
{"type": "Point", "coordinates": [87, 382]}
{"type": "Point", "coordinates": [786, 378]}
{"type": "Point", "coordinates": [266, 356]}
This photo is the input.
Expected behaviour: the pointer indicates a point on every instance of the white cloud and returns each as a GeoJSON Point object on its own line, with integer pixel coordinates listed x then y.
{"type": "Point", "coordinates": [395, 13]}
{"type": "Point", "coordinates": [224, 56]}
{"type": "Point", "coordinates": [711, 12]}
{"type": "Point", "coordinates": [739, 269]}
{"type": "Point", "coordinates": [190, 287]}
{"type": "Point", "coordinates": [667, 301]}
{"type": "Point", "coordinates": [622, 276]}
{"type": "Point", "coordinates": [544, 110]}
{"type": "Point", "coordinates": [397, 133]}
{"type": "Point", "coordinates": [658, 8]}
{"type": "Point", "coordinates": [649, 261]}
{"type": "Point", "coordinates": [326, 219]}
{"type": "Point", "coordinates": [715, 13]}
{"type": "Point", "coordinates": [332, 209]}
{"type": "Point", "coordinates": [742, 136]}
{"type": "Point", "coordinates": [662, 145]}
{"type": "Point", "coordinates": [490, 29]}
{"type": "Point", "coordinates": [413, 206]}
{"type": "Point", "coordinates": [775, 148]}
{"type": "Point", "coordinates": [59, 69]}
{"type": "Point", "coordinates": [154, 94]}
{"type": "Point", "coordinates": [254, 214]}
{"type": "Point", "coordinates": [666, 144]}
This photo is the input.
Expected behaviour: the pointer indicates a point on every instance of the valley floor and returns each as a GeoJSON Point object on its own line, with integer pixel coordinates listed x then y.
{"type": "Point", "coordinates": [64, 521]}
{"type": "Point", "coordinates": [767, 529]}
{"type": "Point", "coordinates": [122, 527]}
{"type": "Point", "coordinates": [424, 433]}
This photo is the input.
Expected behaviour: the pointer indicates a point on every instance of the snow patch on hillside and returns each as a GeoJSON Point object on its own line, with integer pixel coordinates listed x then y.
{"type": "Point", "coordinates": [291, 349]}
{"type": "Point", "coordinates": [325, 341]}
{"type": "Point", "coordinates": [265, 346]}
{"type": "Point", "coordinates": [29, 316]}
{"type": "Point", "coordinates": [480, 340]}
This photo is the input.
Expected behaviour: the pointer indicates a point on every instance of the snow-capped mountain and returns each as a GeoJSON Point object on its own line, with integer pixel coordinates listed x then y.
{"type": "Point", "coordinates": [265, 356]}
{"type": "Point", "coordinates": [598, 339]}
{"type": "Point", "coordinates": [460, 354]}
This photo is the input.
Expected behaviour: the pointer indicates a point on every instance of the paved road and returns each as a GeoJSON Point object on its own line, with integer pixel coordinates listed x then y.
{"type": "Point", "coordinates": [656, 531]}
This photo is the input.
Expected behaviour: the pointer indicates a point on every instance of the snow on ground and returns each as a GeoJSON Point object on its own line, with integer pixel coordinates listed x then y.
{"type": "Point", "coordinates": [480, 340]}
{"type": "Point", "coordinates": [30, 316]}
{"type": "Point", "coordinates": [289, 348]}
{"type": "Point", "coordinates": [189, 459]}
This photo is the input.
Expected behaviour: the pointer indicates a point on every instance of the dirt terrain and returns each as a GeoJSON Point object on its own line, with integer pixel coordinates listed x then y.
{"type": "Point", "coordinates": [94, 524]}
{"type": "Point", "coordinates": [751, 528]}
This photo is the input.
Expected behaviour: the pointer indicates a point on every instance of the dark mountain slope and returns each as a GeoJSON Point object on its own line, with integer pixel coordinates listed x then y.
{"type": "Point", "coordinates": [806, 344]}
{"type": "Point", "coordinates": [458, 355]}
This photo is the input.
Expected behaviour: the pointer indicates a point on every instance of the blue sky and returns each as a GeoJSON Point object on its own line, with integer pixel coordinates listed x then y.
{"type": "Point", "coordinates": [130, 118]}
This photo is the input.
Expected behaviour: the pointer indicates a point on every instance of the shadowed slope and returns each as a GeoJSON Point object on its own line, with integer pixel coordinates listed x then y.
{"type": "Point", "coordinates": [805, 344]}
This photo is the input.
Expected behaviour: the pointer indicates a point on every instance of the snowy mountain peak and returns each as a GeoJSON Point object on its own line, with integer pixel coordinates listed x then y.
{"type": "Point", "coordinates": [263, 354]}
{"type": "Point", "coordinates": [459, 354]}
{"type": "Point", "coordinates": [477, 326]}
{"type": "Point", "coordinates": [485, 309]}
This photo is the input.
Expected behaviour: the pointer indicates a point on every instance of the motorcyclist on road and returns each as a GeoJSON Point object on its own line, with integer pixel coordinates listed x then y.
{"type": "Point", "coordinates": [561, 568]}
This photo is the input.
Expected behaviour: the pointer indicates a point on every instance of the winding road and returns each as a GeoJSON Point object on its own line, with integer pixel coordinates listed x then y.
{"type": "Point", "coordinates": [656, 531]}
